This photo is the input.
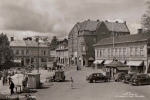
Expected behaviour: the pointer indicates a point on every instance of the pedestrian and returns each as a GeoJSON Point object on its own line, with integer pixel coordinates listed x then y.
{"type": "Point", "coordinates": [48, 69]}
{"type": "Point", "coordinates": [0, 75]}
{"type": "Point", "coordinates": [9, 80]}
{"type": "Point", "coordinates": [12, 86]}
{"type": "Point", "coordinates": [3, 80]}
{"type": "Point", "coordinates": [71, 82]}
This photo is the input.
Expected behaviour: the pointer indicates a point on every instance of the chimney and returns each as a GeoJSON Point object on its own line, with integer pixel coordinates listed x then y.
{"type": "Point", "coordinates": [11, 38]}
{"type": "Point", "coordinates": [106, 21]}
{"type": "Point", "coordinates": [139, 31]}
{"type": "Point", "coordinates": [97, 20]}
{"type": "Point", "coordinates": [116, 21]}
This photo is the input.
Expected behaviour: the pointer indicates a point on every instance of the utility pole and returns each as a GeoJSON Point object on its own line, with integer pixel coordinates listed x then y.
{"type": "Point", "coordinates": [38, 56]}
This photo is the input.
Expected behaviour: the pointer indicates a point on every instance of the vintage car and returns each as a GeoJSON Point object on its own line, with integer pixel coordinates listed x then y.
{"type": "Point", "coordinates": [119, 76]}
{"type": "Point", "coordinates": [95, 77]}
{"type": "Point", "coordinates": [59, 76]}
{"type": "Point", "coordinates": [128, 77]}
{"type": "Point", "coordinates": [140, 79]}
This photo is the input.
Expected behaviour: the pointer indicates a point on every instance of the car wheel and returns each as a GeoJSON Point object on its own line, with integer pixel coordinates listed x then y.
{"type": "Point", "coordinates": [108, 80]}
{"type": "Point", "coordinates": [139, 83]}
{"type": "Point", "coordinates": [94, 81]}
{"type": "Point", "coordinates": [124, 81]}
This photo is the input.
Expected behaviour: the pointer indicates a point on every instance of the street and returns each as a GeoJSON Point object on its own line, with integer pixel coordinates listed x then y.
{"type": "Point", "coordinates": [82, 90]}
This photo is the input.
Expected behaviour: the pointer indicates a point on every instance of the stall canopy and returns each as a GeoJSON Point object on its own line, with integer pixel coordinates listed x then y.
{"type": "Point", "coordinates": [98, 61]}
{"type": "Point", "coordinates": [117, 64]}
{"type": "Point", "coordinates": [134, 63]}
{"type": "Point", "coordinates": [107, 61]}
{"type": "Point", "coordinates": [123, 68]}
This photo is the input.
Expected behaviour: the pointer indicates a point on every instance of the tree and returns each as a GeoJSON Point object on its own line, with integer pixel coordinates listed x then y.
{"type": "Point", "coordinates": [6, 55]}
{"type": "Point", "coordinates": [145, 21]}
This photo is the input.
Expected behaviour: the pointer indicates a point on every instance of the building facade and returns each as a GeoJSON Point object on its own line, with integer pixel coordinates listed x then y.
{"type": "Point", "coordinates": [62, 54]}
{"type": "Point", "coordinates": [133, 50]}
{"type": "Point", "coordinates": [28, 52]}
{"type": "Point", "coordinates": [85, 34]}
{"type": "Point", "coordinates": [55, 44]}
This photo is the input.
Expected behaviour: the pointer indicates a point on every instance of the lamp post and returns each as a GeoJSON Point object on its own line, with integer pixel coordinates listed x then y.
{"type": "Point", "coordinates": [38, 56]}
{"type": "Point", "coordinates": [37, 40]}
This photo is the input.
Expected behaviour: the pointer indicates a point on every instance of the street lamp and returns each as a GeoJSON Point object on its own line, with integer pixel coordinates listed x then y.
{"type": "Point", "coordinates": [37, 40]}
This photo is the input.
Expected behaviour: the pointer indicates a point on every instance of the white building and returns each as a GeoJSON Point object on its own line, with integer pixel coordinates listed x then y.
{"type": "Point", "coordinates": [134, 50]}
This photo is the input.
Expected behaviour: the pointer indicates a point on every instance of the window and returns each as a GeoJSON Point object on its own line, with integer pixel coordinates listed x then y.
{"type": "Point", "coordinates": [44, 52]}
{"type": "Point", "coordinates": [27, 51]}
{"type": "Point", "coordinates": [108, 52]}
{"type": "Point", "coordinates": [124, 52]}
{"type": "Point", "coordinates": [141, 51]}
{"type": "Point", "coordinates": [83, 48]}
{"type": "Point", "coordinates": [131, 51]}
{"type": "Point", "coordinates": [103, 52]}
{"type": "Point", "coordinates": [112, 52]}
{"type": "Point", "coordinates": [22, 52]}
{"type": "Point", "coordinates": [120, 53]}
{"type": "Point", "coordinates": [116, 54]}
{"type": "Point", "coordinates": [136, 51]}
{"type": "Point", "coordinates": [17, 52]}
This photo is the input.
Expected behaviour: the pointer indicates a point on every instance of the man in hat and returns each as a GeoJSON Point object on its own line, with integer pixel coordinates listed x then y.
{"type": "Point", "coordinates": [12, 86]}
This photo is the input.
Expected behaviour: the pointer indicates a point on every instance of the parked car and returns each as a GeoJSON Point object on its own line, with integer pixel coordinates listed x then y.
{"type": "Point", "coordinates": [97, 77]}
{"type": "Point", "coordinates": [59, 76]}
{"type": "Point", "coordinates": [128, 77]}
{"type": "Point", "coordinates": [140, 79]}
{"type": "Point", "coordinates": [119, 76]}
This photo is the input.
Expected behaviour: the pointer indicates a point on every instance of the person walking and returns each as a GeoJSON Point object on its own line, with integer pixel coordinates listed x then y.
{"type": "Point", "coordinates": [71, 82]}
{"type": "Point", "coordinates": [12, 86]}
{"type": "Point", "coordinates": [9, 80]}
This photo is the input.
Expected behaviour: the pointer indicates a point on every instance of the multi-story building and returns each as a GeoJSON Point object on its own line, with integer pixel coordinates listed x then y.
{"type": "Point", "coordinates": [62, 54]}
{"type": "Point", "coordinates": [84, 34]}
{"type": "Point", "coordinates": [134, 50]}
{"type": "Point", "coordinates": [54, 45]}
{"type": "Point", "coordinates": [28, 52]}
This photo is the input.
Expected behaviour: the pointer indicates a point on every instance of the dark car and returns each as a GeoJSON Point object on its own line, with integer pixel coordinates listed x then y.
{"type": "Point", "coordinates": [128, 77]}
{"type": "Point", "coordinates": [119, 76]}
{"type": "Point", "coordinates": [97, 77]}
{"type": "Point", "coordinates": [140, 79]}
{"type": "Point", "coordinates": [59, 76]}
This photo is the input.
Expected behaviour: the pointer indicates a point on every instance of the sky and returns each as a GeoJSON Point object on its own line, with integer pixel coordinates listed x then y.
{"type": "Point", "coordinates": [21, 18]}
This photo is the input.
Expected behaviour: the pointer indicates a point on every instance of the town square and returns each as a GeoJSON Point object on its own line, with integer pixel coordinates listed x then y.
{"type": "Point", "coordinates": [74, 50]}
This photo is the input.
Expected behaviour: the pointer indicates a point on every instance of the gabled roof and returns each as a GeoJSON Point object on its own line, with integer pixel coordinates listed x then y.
{"type": "Point", "coordinates": [89, 25]}
{"type": "Point", "coordinates": [26, 43]}
{"type": "Point", "coordinates": [124, 39]}
{"type": "Point", "coordinates": [116, 26]}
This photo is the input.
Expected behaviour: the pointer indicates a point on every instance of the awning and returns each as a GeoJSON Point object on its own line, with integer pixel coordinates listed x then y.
{"type": "Point", "coordinates": [17, 61]}
{"type": "Point", "coordinates": [98, 61]}
{"type": "Point", "coordinates": [123, 68]}
{"type": "Point", "coordinates": [134, 63]}
{"type": "Point", "coordinates": [107, 61]}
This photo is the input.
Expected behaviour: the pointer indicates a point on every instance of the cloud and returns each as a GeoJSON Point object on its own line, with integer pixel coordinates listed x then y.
{"type": "Point", "coordinates": [57, 17]}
